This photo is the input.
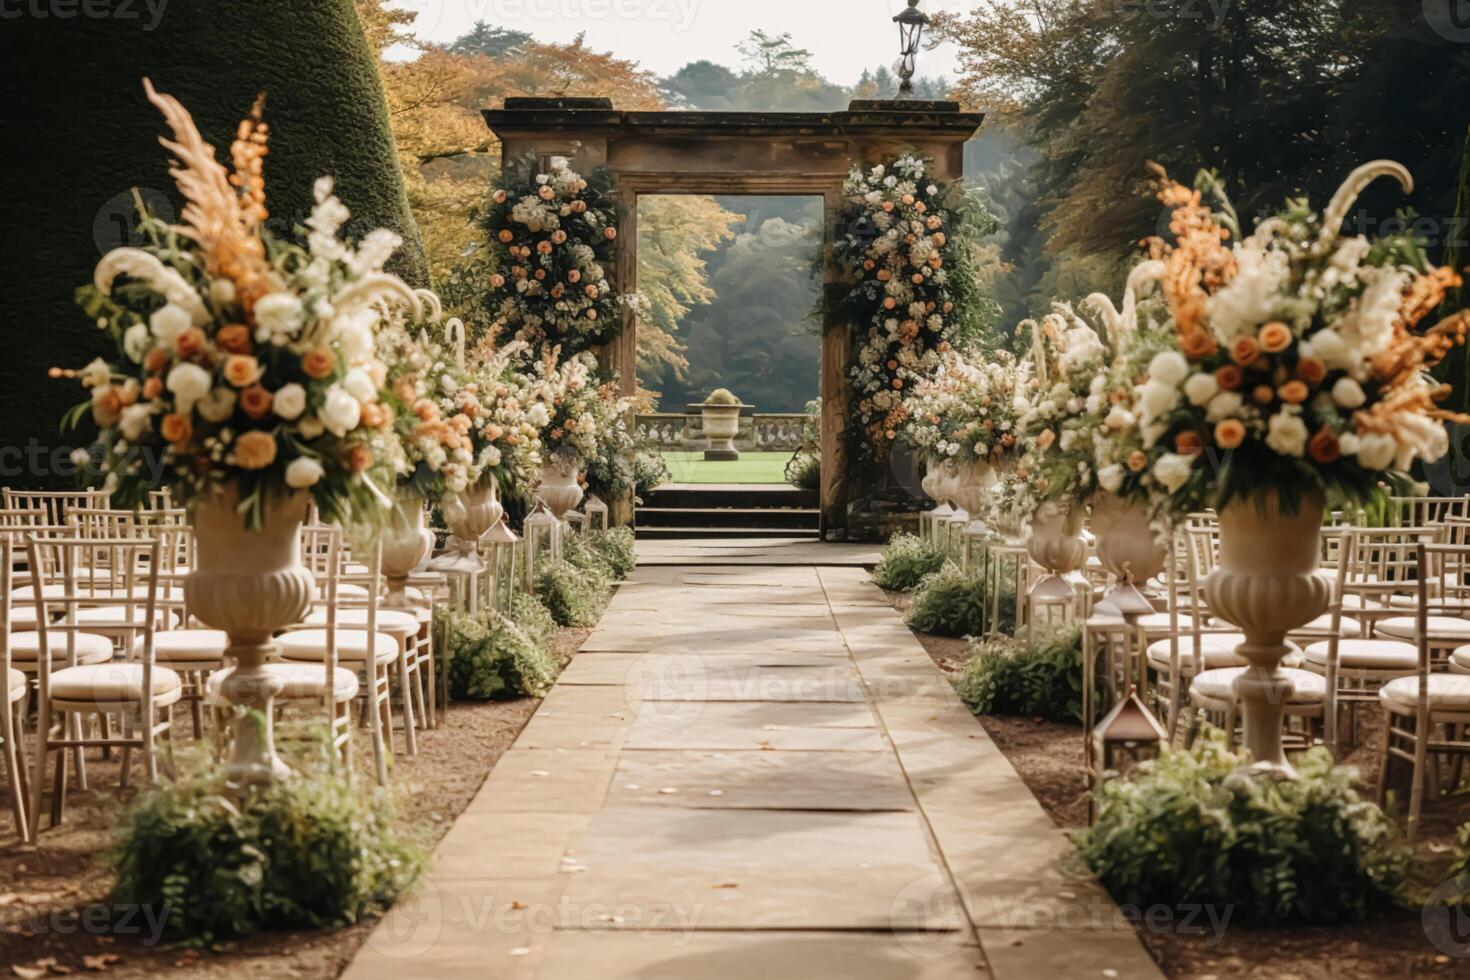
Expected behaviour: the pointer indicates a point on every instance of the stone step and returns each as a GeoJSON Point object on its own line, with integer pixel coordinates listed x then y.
{"type": "Point", "coordinates": [729, 496]}
{"type": "Point", "coordinates": [688, 533]}
{"type": "Point", "coordinates": [765, 517]}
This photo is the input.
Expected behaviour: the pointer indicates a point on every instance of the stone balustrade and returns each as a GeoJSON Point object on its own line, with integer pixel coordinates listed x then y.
{"type": "Point", "coordinates": [684, 431]}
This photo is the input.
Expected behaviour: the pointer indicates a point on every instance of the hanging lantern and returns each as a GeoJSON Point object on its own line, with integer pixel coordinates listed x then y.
{"type": "Point", "coordinates": [502, 541]}
{"type": "Point", "coordinates": [596, 512]}
{"type": "Point", "coordinates": [911, 23]}
{"type": "Point", "coordinates": [543, 542]}
{"type": "Point", "coordinates": [1127, 736]}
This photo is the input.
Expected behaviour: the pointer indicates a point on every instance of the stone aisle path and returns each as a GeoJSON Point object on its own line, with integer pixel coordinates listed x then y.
{"type": "Point", "coordinates": [753, 772]}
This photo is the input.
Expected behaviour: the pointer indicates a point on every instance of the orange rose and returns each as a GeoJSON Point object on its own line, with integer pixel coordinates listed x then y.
{"type": "Point", "coordinates": [1189, 443]}
{"type": "Point", "coordinates": [1229, 377]}
{"type": "Point", "coordinates": [1262, 394]}
{"type": "Point", "coordinates": [1275, 337]}
{"type": "Point", "coordinates": [546, 192]}
{"type": "Point", "coordinates": [242, 370]}
{"type": "Point", "coordinates": [110, 401]}
{"type": "Point", "coordinates": [1294, 392]}
{"type": "Point", "coordinates": [234, 337]}
{"type": "Point", "coordinates": [360, 458]}
{"type": "Point", "coordinates": [176, 428]}
{"type": "Point", "coordinates": [152, 388]}
{"type": "Point", "coordinates": [156, 360]}
{"type": "Point", "coordinates": [611, 233]}
{"type": "Point", "coordinates": [574, 276]}
{"type": "Point", "coordinates": [189, 342]}
{"type": "Point", "coordinates": [544, 248]}
{"type": "Point", "coordinates": [1197, 344]}
{"type": "Point", "coordinates": [1324, 447]}
{"type": "Point", "coordinates": [1245, 351]}
{"type": "Point", "coordinates": [889, 302]}
{"type": "Point", "coordinates": [884, 275]}
{"type": "Point", "coordinates": [1311, 370]}
{"type": "Point", "coordinates": [506, 236]}
{"type": "Point", "coordinates": [255, 450]}
{"type": "Point", "coordinates": [1229, 433]}
{"type": "Point", "coordinates": [255, 401]}
{"type": "Point", "coordinates": [319, 363]}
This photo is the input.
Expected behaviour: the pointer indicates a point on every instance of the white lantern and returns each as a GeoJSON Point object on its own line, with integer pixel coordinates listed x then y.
{"type": "Point", "coordinates": [502, 541]}
{"type": "Point", "coordinates": [596, 512]}
{"type": "Point", "coordinates": [543, 542]}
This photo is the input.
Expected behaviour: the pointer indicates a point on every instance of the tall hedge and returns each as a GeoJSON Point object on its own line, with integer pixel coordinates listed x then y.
{"type": "Point", "coordinates": [78, 134]}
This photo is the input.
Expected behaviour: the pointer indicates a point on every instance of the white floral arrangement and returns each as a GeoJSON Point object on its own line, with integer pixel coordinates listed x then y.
{"type": "Point", "coordinates": [554, 234]}
{"type": "Point", "coordinates": [242, 360]}
{"type": "Point", "coordinates": [1294, 365]}
{"type": "Point", "coordinates": [966, 410]}
{"type": "Point", "coordinates": [896, 243]}
{"type": "Point", "coordinates": [573, 412]}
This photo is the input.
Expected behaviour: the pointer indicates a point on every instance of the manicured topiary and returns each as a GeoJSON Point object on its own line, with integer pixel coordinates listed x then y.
{"type": "Point", "coordinates": [315, 851]}
{"type": "Point", "coordinates": [80, 130]}
{"type": "Point", "coordinates": [722, 396]}
{"type": "Point", "coordinates": [1199, 828]}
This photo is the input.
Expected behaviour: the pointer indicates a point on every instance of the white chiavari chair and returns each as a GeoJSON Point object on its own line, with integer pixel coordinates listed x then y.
{"type": "Point", "coordinates": [139, 693]}
{"type": "Point", "coordinates": [56, 504]}
{"type": "Point", "coordinates": [13, 689]}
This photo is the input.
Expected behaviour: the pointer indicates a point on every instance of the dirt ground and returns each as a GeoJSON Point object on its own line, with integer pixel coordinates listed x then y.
{"type": "Point", "coordinates": [1048, 756]}
{"type": "Point", "coordinates": [53, 896]}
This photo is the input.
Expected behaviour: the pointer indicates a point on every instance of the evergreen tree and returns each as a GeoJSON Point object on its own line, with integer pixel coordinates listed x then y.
{"type": "Point", "coordinates": [492, 42]}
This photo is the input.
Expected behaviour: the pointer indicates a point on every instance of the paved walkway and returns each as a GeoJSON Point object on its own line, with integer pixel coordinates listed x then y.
{"type": "Point", "coordinates": [753, 772]}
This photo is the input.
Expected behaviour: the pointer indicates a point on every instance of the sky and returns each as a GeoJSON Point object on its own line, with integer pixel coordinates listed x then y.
{"type": "Point", "coordinates": [844, 36]}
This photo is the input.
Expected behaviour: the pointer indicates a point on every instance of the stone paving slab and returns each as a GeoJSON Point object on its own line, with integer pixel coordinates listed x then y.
{"type": "Point", "coordinates": [778, 784]}
{"type": "Point", "coordinates": [753, 551]}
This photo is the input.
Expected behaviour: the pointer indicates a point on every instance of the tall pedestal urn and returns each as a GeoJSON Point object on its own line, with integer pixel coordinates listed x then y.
{"type": "Point", "coordinates": [407, 544]}
{"type": "Point", "coordinates": [1267, 582]}
{"type": "Point", "coordinates": [469, 516]}
{"type": "Point", "coordinates": [933, 479]}
{"type": "Point", "coordinates": [559, 488]}
{"type": "Point", "coordinates": [250, 584]}
{"type": "Point", "coordinates": [1054, 542]}
{"type": "Point", "coordinates": [1128, 549]}
{"type": "Point", "coordinates": [972, 484]}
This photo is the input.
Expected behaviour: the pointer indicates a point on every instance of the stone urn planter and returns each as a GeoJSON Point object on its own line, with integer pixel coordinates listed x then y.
{"type": "Point", "coordinates": [1267, 583]}
{"type": "Point", "coordinates": [1054, 541]}
{"type": "Point", "coordinates": [720, 417]}
{"type": "Point", "coordinates": [932, 480]}
{"type": "Point", "coordinates": [250, 584]}
{"type": "Point", "coordinates": [469, 515]}
{"type": "Point", "coordinates": [1128, 548]}
{"type": "Point", "coordinates": [558, 488]}
{"type": "Point", "coordinates": [407, 544]}
{"type": "Point", "coordinates": [972, 483]}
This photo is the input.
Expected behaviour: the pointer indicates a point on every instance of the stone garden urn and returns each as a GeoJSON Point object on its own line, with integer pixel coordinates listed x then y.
{"type": "Point", "coordinates": [250, 584]}
{"type": "Point", "coordinates": [972, 483]}
{"type": "Point", "coordinates": [1054, 541]}
{"type": "Point", "coordinates": [558, 488]}
{"type": "Point", "coordinates": [469, 515]}
{"type": "Point", "coordinates": [720, 417]}
{"type": "Point", "coordinates": [1267, 583]}
{"type": "Point", "coordinates": [407, 544]}
{"type": "Point", "coordinates": [1128, 548]}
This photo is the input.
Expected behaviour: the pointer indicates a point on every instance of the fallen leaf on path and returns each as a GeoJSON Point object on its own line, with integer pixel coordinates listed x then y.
{"type": "Point", "coordinates": [100, 962]}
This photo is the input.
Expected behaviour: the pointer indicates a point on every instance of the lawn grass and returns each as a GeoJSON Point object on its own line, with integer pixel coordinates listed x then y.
{"type": "Point", "coordinates": [749, 468]}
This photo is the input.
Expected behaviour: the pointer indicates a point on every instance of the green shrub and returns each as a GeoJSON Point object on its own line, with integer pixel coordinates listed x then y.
{"type": "Point", "coordinates": [1198, 827]}
{"type": "Point", "coordinates": [582, 554]}
{"type": "Point", "coordinates": [649, 471]}
{"type": "Point", "coordinates": [315, 851]}
{"type": "Point", "coordinates": [527, 612]}
{"type": "Point", "coordinates": [1042, 677]}
{"type": "Point", "coordinates": [617, 550]}
{"type": "Point", "coordinates": [906, 561]}
{"type": "Point", "coordinates": [804, 471]}
{"type": "Point", "coordinates": [953, 602]}
{"type": "Point", "coordinates": [491, 657]}
{"type": "Point", "coordinates": [572, 596]}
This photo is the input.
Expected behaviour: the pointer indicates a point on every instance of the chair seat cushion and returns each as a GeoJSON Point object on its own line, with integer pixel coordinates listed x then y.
{"type": "Point", "coordinates": [1365, 655]}
{"type": "Point", "coordinates": [91, 648]}
{"type": "Point", "coordinates": [1159, 622]}
{"type": "Point", "coordinates": [311, 645]}
{"type": "Point", "coordinates": [1447, 692]}
{"type": "Point", "coordinates": [1460, 660]}
{"type": "Point", "coordinates": [15, 684]}
{"type": "Point", "coordinates": [1218, 650]}
{"type": "Point", "coordinates": [1441, 628]}
{"type": "Point", "coordinates": [119, 617]}
{"type": "Point", "coordinates": [303, 682]}
{"type": "Point", "coordinates": [1322, 626]}
{"type": "Point", "coordinates": [188, 647]}
{"type": "Point", "coordinates": [394, 622]}
{"type": "Point", "coordinates": [115, 683]}
{"type": "Point", "coordinates": [1219, 685]}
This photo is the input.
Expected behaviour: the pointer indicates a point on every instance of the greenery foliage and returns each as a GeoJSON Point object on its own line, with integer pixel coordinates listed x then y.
{"type": "Point", "coordinates": [490, 656]}
{"type": "Point", "coordinates": [804, 470]}
{"type": "Point", "coordinates": [649, 471]}
{"type": "Point", "coordinates": [722, 396]}
{"type": "Point", "coordinates": [952, 602]}
{"type": "Point", "coordinates": [1039, 678]}
{"type": "Point", "coordinates": [616, 549]}
{"type": "Point", "coordinates": [312, 852]}
{"type": "Point", "coordinates": [1198, 827]}
{"type": "Point", "coordinates": [906, 561]}
{"type": "Point", "coordinates": [572, 595]}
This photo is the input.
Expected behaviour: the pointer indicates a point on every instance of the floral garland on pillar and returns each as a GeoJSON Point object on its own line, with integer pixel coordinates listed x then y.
{"type": "Point", "coordinates": [553, 235]}
{"type": "Point", "coordinates": [897, 241]}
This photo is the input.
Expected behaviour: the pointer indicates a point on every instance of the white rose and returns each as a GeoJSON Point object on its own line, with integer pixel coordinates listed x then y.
{"type": "Point", "coordinates": [340, 412]}
{"type": "Point", "coordinates": [1286, 433]}
{"type": "Point", "coordinates": [218, 405]}
{"type": "Point", "coordinates": [169, 321]}
{"type": "Point", "coordinates": [278, 317]}
{"type": "Point", "coordinates": [96, 374]}
{"type": "Point", "coordinates": [1157, 397]}
{"type": "Point", "coordinates": [137, 342]}
{"type": "Point", "coordinates": [1329, 347]}
{"type": "Point", "coordinates": [1348, 393]}
{"type": "Point", "coordinates": [1119, 419]}
{"type": "Point", "coordinates": [1376, 450]}
{"type": "Point", "coordinates": [1168, 366]}
{"type": "Point", "coordinates": [1200, 388]}
{"type": "Point", "coordinates": [189, 383]}
{"type": "Point", "coordinates": [1110, 478]}
{"type": "Point", "coordinates": [303, 472]}
{"type": "Point", "coordinates": [290, 402]}
{"type": "Point", "coordinates": [1225, 405]}
{"type": "Point", "coordinates": [310, 427]}
{"type": "Point", "coordinates": [1172, 470]}
{"type": "Point", "coordinates": [136, 420]}
{"type": "Point", "coordinates": [360, 386]}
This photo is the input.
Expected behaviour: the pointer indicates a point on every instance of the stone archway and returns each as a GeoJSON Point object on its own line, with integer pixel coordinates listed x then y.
{"type": "Point", "coordinates": [773, 153]}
